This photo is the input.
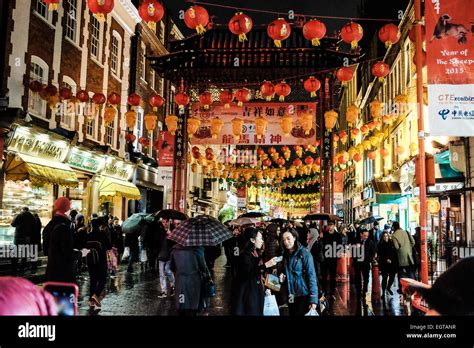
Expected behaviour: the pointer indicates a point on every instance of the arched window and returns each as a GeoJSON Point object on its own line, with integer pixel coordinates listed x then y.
{"type": "Point", "coordinates": [115, 53]}
{"type": "Point", "coordinates": [39, 71]}
{"type": "Point", "coordinates": [68, 116]}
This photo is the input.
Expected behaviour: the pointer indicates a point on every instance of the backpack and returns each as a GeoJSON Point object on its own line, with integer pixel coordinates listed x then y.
{"type": "Point", "coordinates": [93, 256]}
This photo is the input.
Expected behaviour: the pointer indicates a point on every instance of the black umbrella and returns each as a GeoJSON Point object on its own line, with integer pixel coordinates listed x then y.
{"type": "Point", "coordinates": [202, 230]}
{"type": "Point", "coordinates": [253, 214]}
{"type": "Point", "coordinates": [171, 214]}
{"type": "Point", "coordinates": [135, 222]}
{"type": "Point", "coordinates": [321, 216]}
{"type": "Point", "coordinates": [369, 220]}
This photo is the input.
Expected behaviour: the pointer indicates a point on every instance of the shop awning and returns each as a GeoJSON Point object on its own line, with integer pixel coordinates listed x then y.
{"type": "Point", "coordinates": [387, 192]}
{"type": "Point", "coordinates": [443, 159]}
{"type": "Point", "coordinates": [39, 171]}
{"type": "Point", "coordinates": [110, 187]}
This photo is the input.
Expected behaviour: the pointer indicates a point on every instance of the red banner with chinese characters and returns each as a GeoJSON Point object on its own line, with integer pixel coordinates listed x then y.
{"type": "Point", "coordinates": [450, 62]}
{"type": "Point", "coordinates": [166, 149]}
{"type": "Point", "coordinates": [272, 112]}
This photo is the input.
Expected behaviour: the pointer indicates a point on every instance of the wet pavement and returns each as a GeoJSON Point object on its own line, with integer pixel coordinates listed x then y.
{"type": "Point", "coordinates": [137, 294]}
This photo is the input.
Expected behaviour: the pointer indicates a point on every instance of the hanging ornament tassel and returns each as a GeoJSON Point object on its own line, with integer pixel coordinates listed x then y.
{"type": "Point", "coordinates": [354, 44]}
{"type": "Point", "coordinates": [226, 106]}
{"type": "Point", "coordinates": [200, 29]}
{"type": "Point", "coordinates": [269, 98]}
{"type": "Point", "coordinates": [315, 42]}
{"type": "Point", "coordinates": [313, 94]}
{"type": "Point", "coordinates": [151, 25]}
{"type": "Point", "coordinates": [53, 7]}
{"type": "Point", "coordinates": [282, 98]}
{"type": "Point", "coordinates": [242, 37]}
{"type": "Point", "coordinates": [277, 43]}
{"type": "Point", "coordinates": [99, 16]}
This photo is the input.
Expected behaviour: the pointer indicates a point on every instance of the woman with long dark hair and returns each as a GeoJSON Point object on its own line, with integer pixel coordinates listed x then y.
{"type": "Point", "coordinates": [387, 259]}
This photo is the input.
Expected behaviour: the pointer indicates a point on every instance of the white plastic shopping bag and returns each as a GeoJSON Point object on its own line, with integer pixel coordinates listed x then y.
{"type": "Point", "coordinates": [126, 253]}
{"type": "Point", "coordinates": [312, 313]}
{"type": "Point", "coordinates": [143, 256]}
{"type": "Point", "coordinates": [270, 307]}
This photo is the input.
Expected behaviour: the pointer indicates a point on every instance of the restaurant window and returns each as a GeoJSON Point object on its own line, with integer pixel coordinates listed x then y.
{"type": "Point", "coordinates": [38, 72]}
{"type": "Point", "coordinates": [91, 128]}
{"type": "Point", "coordinates": [68, 116]}
{"type": "Point", "coordinates": [42, 9]}
{"type": "Point", "coordinates": [95, 38]}
{"type": "Point", "coordinates": [115, 53]}
{"type": "Point", "coordinates": [71, 20]}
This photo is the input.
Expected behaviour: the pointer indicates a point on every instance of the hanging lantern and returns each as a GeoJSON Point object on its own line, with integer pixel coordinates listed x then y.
{"type": "Point", "coordinates": [280, 161]}
{"type": "Point", "coordinates": [243, 96]}
{"type": "Point", "coordinates": [423, 58]}
{"type": "Point", "coordinates": [182, 99]}
{"type": "Point", "coordinates": [114, 99]}
{"type": "Point", "coordinates": [82, 96]}
{"type": "Point", "coordinates": [400, 150]}
{"type": "Point", "coordinates": [314, 31]}
{"type": "Point", "coordinates": [171, 122]}
{"type": "Point", "coordinates": [151, 11]}
{"type": "Point", "coordinates": [376, 109]}
{"type": "Point", "coordinates": [292, 171]}
{"type": "Point", "coordinates": [196, 18]}
{"type": "Point", "coordinates": [134, 100]}
{"type": "Point", "coordinates": [433, 206]}
{"type": "Point", "coordinates": [335, 138]}
{"type": "Point", "coordinates": [306, 121]}
{"type": "Point", "coordinates": [100, 8]}
{"type": "Point", "coordinates": [342, 159]}
{"type": "Point", "coordinates": [150, 122]}
{"type": "Point", "coordinates": [413, 147]}
{"type": "Point", "coordinates": [352, 114]}
{"type": "Point", "coordinates": [65, 93]}
{"type": "Point", "coordinates": [412, 33]}
{"type": "Point", "coordinates": [297, 163]}
{"type": "Point", "coordinates": [267, 90]}
{"type": "Point", "coordinates": [372, 155]}
{"type": "Point", "coordinates": [298, 150]}
{"type": "Point", "coordinates": [260, 126]}
{"type": "Point", "coordinates": [389, 34]}
{"type": "Point", "coordinates": [144, 142]}
{"type": "Point", "coordinates": [98, 99]}
{"type": "Point", "coordinates": [206, 100]}
{"type": "Point", "coordinates": [129, 137]}
{"type": "Point", "coordinates": [330, 119]}
{"type": "Point", "coordinates": [364, 129]}
{"type": "Point", "coordinates": [344, 75]}
{"type": "Point", "coordinates": [216, 126]}
{"type": "Point", "coordinates": [267, 163]}
{"type": "Point", "coordinates": [357, 157]}
{"type": "Point", "coordinates": [35, 86]}
{"type": "Point", "coordinates": [380, 70]}
{"type": "Point", "coordinates": [286, 123]}
{"type": "Point", "coordinates": [240, 24]}
{"type": "Point", "coordinates": [352, 33]}
{"type": "Point", "coordinates": [384, 152]}
{"type": "Point", "coordinates": [130, 119]}
{"type": "Point", "coordinates": [48, 91]}
{"type": "Point", "coordinates": [343, 137]}
{"type": "Point", "coordinates": [52, 4]}
{"type": "Point", "coordinates": [237, 124]}
{"type": "Point", "coordinates": [226, 97]}
{"type": "Point", "coordinates": [109, 114]}
{"type": "Point", "coordinates": [312, 85]}
{"type": "Point", "coordinates": [193, 126]}
{"type": "Point", "coordinates": [279, 30]}
{"type": "Point", "coordinates": [156, 101]}
{"type": "Point", "coordinates": [309, 160]}
{"type": "Point", "coordinates": [283, 90]}
{"type": "Point", "coordinates": [354, 133]}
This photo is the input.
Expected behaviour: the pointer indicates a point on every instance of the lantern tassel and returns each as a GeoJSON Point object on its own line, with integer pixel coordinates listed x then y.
{"type": "Point", "coordinates": [240, 103]}
{"type": "Point", "coordinates": [200, 29]}
{"type": "Point", "coordinates": [242, 37]}
{"type": "Point", "coordinates": [277, 43]}
{"type": "Point", "coordinates": [381, 79]}
{"type": "Point", "coordinates": [269, 98]}
{"type": "Point", "coordinates": [388, 44]}
{"type": "Point", "coordinates": [206, 107]}
{"type": "Point", "coordinates": [226, 106]}
{"type": "Point", "coordinates": [53, 7]}
{"type": "Point", "coordinates": [99, 16]}
{"type": "Point", "coordinates": [282, 98]}
{"type": "Point", "coordinates": [316, 42]}
{"type": "Point", "coordinates": [313, 94]}
{"type": "Point", "coordinates": [354, 44]}
{"type": "Point", "coordinates": [151, 25]}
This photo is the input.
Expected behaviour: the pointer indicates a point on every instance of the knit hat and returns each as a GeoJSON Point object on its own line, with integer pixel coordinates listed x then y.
{"type": "Point", "coordinates": [62, 205]}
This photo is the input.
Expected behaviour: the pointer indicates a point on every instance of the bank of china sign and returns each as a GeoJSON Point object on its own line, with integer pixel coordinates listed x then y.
{"type": "Point", "coordinates": [450, 62]}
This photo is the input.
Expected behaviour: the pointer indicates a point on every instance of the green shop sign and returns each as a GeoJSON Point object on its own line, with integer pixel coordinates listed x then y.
{"type": "Point", "coordinates": [86, 161]}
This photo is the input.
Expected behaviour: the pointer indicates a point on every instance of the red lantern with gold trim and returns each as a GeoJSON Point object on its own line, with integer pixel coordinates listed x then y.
{"type": "Point", "coordinates": [151, 11]}
{"type": "Point", "coordinates": [52, 4]}
{"type": "Point", "coordinates": [268, 90]}
{"type": "Point", "coordinates": [243, 96]}
{"type": "Point", "coordinates": [100, 8]}
{"type": "Point", "coordinates": [279, 30]}
{"type": "Point", "coordinates": [134, 99]}
{"type": "Point", "coordinates": [389, 34]}
{"type": "Point", "coordinates": [282, 90]}
{"type": "Point", "coordinates": [182, 99]}
{"type": "Point", "coordinates": [65, 93]}
{"type": "Point", "coordinates": [156, 101]}
{"type": "Point", "coordinates": [309, 160]}
{"type": "Point", "coordinates": [240, 24]}
{"type": "Point", "coordinates": [314, 31]}
{"type": "Point", "coordinates": [114, 99]}
{"type": "Point", "coordinates": [344, 74]}
{"type": "Point", "coordinates": [98, 98]}
{"type": "Point", "coordinates": [226, 97]}
{"type": "Point", "coordinates": [312, 85]}
{"type": "Point", "coordinates": [82, 96]}
{"type": "Point", "coordinates": [384, 152]}
{"type": "Point", "coordinates": [206, 100]}
{"type": "Point", "coordinates": [352, 33]}
{"type": "Point", "coordinates": [380, 70]}
{"type": "Point", "coordinates": [364, 129]}
{"type": "Point", "coordinates": [196, 18]}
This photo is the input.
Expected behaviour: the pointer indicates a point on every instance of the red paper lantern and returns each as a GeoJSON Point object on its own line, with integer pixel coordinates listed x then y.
{"type": "Point", "coordinates": [364, 129]}
{"type": "Point", "coordinates": [312, 85]}
{"type": "Point", "coordinates": [314, 31]}
{"type": "Point", "coordinates": [318, 161]}
{"type": "Point", "coordinates": [267, 162]}
{"type": "Point", "coordinates": [371, 125]}
{"type": "Point", "coordinates": [196, 18]}
{"type": "Point", "coordinates": [50, 90]}
{"type": "Point", "coordinates": [280, 161]}
{"type": "Point", "coordinates": [380, 70]}
{"type": "Point", "coordinates": [272, 150]}
{"type": "Point", "coordinates": [389, 34]}
{"type": "Point", "coordinates": [344, 74]}
{"type": "Point", "coordinates": [357, 157]}
{"type": "Point", "coordinates": [240, 24]}
{"type": "Point", "coordinates": [129, 137]}
{"type": "Point", "coordinates": [372, 155]}
{"type": "Point", "coordinates": [260, 151]}
{"type": "Point", "coordinates": [98, 98]}
{"type": "Point", "coordinates": [412, 34]}
{"type": "Point", "coordinates": [151, 11]}
{"type": "Point", "coordinates": [309, 160]}
{"type": "Point", "coordinates": [297, 162]}
{"type": "Point", "coordinates": [195, 149]}
{"type": "Point", "coordinates": [384, 152]}
{"type": "Point", "coordinates": [82, 96]}
{"type": "Point", "coordinates": [283, 90]}
{"type": "Point", "coordinates": [279, 30]}
{"type": "Point", "coordinates": [355, 132]}
{"type": "Point", "coordinates": [144, 141]}
{"type": "Point", "coordinates": [156, 101]}
{"type": "Point", "coordinates": [52, 4]}
{"type": "Point", "coordinates": [114, 99]}
{"type": "Point", "coordinates": [341, 159]}
{"type": "Point", "coordinates": [352, 33]}
{"type": "Point", "coordinates": [100, 8]}
{"type": "Point", "coordinates": [182, 99]}
{"type": "Point", "coordinates": [268, 90]}
{"type": "Point", "coordinates": [206, 100]}
{"type": "Point", "coordinates": [134, 99]}
{"type": "Point", "coordinates": [226, 97]}
{"type": "Point", "coordinates": [423, 58]}
{"type": "Point", "coordinates": [243, 96]}
{"type": "Point", "coordinates": [65, 93]}
{"type": "Point", "coordinates": [35, 86]}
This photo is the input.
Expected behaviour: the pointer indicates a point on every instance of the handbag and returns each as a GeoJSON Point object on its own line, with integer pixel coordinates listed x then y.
{"type": "Point", "coordinates": [270, 306]}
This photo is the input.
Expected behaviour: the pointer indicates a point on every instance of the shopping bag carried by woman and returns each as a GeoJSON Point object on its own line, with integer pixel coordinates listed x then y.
{"type": "Point", "coordinates": [270, 307]}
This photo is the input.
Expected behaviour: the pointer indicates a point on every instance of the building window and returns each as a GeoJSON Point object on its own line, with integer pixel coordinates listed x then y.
{"type": "Point", "coordinates": [143, 60]}
{"type": "Point", "coordinates": [42, 9]}
{"type": "Point", "coordinates": [152, 79]}
{"type": "Point", "coordinates": [71, 20]}
{"type": "Point", "coordinates": [38, 72]}
{"type": "Point", "coordinates": [139, 126]}
{"type": "Point", "coordinates": [68, 116]}
{"type": "Point", "coordinates": [95, 37]}
{"type": "Point", "coordinates": [90, 129]}
{"type": "Point", "coordinates": [114, 54]}
{"type": "Point", "coordinates": [109, 134]}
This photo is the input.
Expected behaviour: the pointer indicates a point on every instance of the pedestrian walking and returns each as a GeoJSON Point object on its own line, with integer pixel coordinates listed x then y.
{"type": "Point", "coordinates": [164, 258]}
{"type": "Point", "coordinates": [404, 243]}
{"type": "Point", "coordinates": [298, 275]}
{"type": "Point", "coordinates": [151, 242]}
{"type": "Point", "coordinates": [363, 264]}
{"type": "Point", "coordinates": [24, 224]}
{"type": "Point", "coordinates": [131, 242]}
{"type": "Point", "coordinates": [316, 249]}
{"type": "Point", "coordinates": [331, 243]}
{"type": "Point", "coordinates": [387, 260]}
{"type": "Point", "coordinates": [58, 240]}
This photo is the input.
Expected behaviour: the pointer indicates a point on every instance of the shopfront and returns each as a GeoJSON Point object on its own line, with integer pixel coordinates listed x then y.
{"type": "Point", "coordinates": [115, 188]}
{"type": "Point", "coordinates": [33, 175]}
{"type": "Point", "coordinates": [151, 194]}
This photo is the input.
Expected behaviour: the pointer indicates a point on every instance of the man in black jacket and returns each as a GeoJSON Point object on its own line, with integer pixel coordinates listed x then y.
{"type": "Point", "coordinates": [362, 264]}
{"type": "Point", "coordinates": [58, 243]}
{"type": "Point", "coordinates": [24, 224]}
{"type": "Point", "coordinates": [331, 242]}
